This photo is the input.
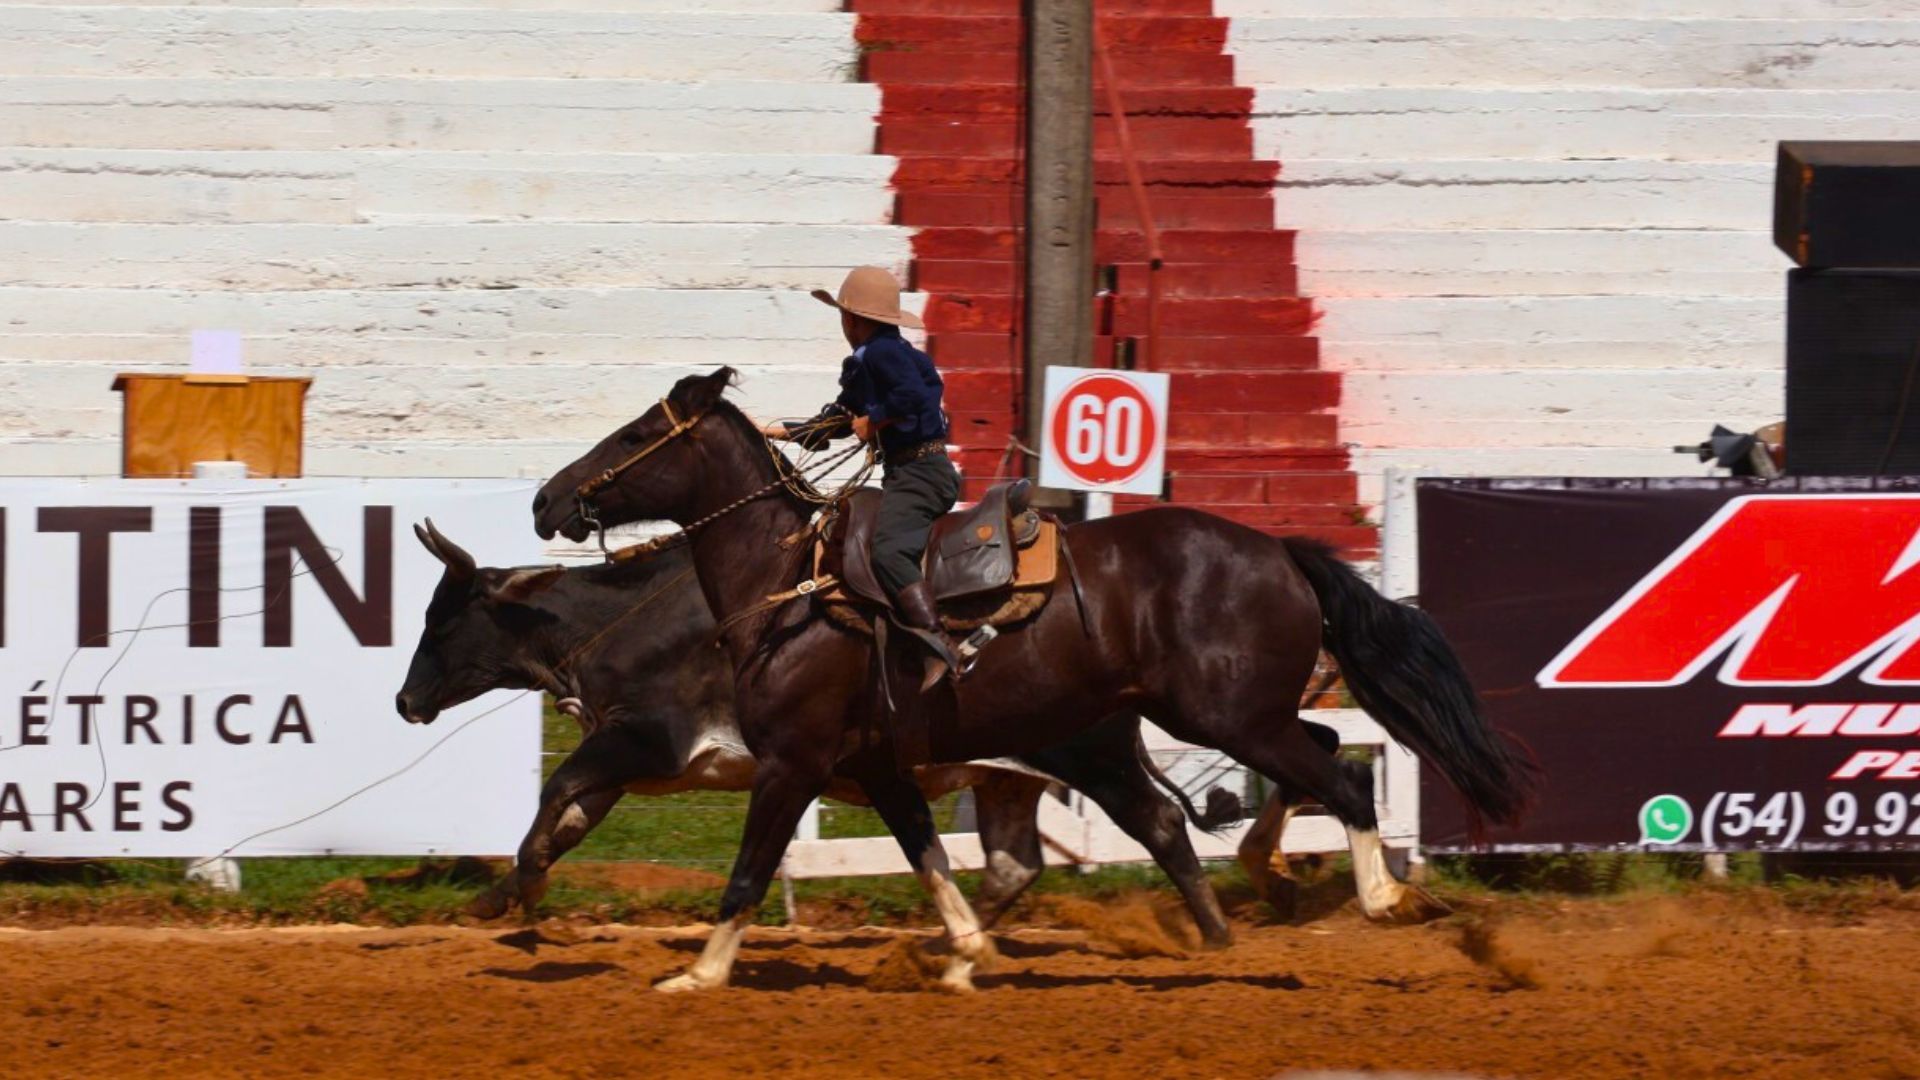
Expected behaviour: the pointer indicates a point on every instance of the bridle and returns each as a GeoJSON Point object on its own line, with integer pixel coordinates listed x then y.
{"type": "Point", "coordinates": [605, 480]}
{"type": "Point", "coordinates": [792, 481]}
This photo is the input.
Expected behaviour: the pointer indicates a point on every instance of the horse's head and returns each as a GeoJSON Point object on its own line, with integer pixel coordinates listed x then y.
{"type": "Point", "coordinates": [478, 631]}
{"type": "Point", "coordinates": [649, 470]}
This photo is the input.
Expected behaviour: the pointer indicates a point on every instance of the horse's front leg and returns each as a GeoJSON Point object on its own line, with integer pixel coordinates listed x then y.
{"type": "Point", "coordinates": [904, 808]}
{"type": "Point", "coordinates": [781, 791]}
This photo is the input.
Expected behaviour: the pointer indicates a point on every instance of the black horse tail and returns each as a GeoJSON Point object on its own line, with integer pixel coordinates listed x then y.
{"type": "Point", "coordinates": [1224, 808]}
{"type": "Point", "coordinates": [1401, 670]}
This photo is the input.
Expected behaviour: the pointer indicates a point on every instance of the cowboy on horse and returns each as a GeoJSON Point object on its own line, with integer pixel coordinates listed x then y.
{"type": "Point", "coordinates": [889, 392]}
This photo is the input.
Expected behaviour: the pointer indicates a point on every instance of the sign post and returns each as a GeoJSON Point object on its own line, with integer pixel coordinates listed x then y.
{"type": "Point", "coordinates": [1105, 431]}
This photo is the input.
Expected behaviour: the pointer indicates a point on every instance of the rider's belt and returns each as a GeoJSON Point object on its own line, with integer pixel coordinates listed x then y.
{"type": "Point", "coordinates": [916, 452]}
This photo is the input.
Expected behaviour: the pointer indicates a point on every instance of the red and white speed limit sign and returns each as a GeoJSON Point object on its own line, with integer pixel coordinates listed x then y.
{"type": "Point", "coordinates": [1105, 430]}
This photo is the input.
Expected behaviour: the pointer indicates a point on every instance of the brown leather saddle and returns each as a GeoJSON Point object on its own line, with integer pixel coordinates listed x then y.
{"type": "Point", "coordinates": [997, 547]}
{"type": "Point", "coordinates": [992, 564]}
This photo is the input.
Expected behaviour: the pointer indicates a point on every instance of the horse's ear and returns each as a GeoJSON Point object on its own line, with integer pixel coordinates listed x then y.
{"type": "Point", "coordinates": [449, 553]}
{"type": "Point", "coordinates": [520, 586]}
{"type": "Point", "coordinates": [705, 391]}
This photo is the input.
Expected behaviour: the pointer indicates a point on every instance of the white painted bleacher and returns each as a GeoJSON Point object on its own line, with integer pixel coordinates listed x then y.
{"type": "Point", "coordinates": [491, 230]}
{"type": "Point", "coordinates": [1540, 232]}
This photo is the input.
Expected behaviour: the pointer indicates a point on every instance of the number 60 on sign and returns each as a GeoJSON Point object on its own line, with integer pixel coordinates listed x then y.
{"type": "Point", "coordinates": [1105, 430]}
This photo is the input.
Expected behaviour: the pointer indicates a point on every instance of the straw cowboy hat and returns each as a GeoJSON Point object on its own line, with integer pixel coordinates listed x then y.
{"type": "Point", "coordinates": [871, 293]}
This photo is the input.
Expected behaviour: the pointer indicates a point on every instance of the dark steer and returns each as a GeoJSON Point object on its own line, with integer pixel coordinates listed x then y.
{"type": "Point", "coordinates": [630, 652]}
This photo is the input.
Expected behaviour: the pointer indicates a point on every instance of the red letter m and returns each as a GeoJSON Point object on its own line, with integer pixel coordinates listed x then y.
{"type": "Point", "coordinates": [1795, 590]}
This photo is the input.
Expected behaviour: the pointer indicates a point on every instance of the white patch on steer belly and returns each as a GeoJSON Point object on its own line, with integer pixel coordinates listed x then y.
{"type": "Point", "coordinates": [1379, 890]}
{"type": "Point", "coordinates": [715, 965]}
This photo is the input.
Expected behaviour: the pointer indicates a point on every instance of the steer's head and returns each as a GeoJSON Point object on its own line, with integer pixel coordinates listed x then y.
{"type": "Point", "coordinates": [479, 630]}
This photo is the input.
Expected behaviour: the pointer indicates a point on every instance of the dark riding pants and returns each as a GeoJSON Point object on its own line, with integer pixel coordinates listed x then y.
{"type": "Point", "coordinates": [913, 495]}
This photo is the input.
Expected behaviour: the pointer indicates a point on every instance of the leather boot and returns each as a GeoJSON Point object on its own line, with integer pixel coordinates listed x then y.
{"type": "Point", "coordinates": [915, 605]}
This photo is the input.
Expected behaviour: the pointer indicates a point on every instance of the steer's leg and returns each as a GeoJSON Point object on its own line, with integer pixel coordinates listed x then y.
{"type": "Point", "coordinates": [1007, 804]}
{"type": "Point", "coordinates": [905, 810]}
{"type": "Point", "coordinates": [1264, 862]}
{"type": "Point", "coordinates": [782, 788]}
{"type": "Point", "coordinates": [598, 768]}
{"type": "Point", "coordinates": [523, 886]}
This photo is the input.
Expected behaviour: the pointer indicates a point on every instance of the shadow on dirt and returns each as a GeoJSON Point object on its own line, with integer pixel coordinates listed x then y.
{"type": "Point", "coordinates": [550, 971]}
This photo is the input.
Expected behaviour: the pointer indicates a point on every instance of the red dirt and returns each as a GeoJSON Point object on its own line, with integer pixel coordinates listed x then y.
{"type": "Point", "coordinates": [1707, 986]}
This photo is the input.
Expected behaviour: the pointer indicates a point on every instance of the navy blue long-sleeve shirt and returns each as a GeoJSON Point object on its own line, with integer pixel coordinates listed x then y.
{"type": "Point", "coordinates": [888, 379]}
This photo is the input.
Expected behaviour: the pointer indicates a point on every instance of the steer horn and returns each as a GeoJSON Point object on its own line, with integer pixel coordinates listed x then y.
{"type": "Point", "coordinates": [453, 555]}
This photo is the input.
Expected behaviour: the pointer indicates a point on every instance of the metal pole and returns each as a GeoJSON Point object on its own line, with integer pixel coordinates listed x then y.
{"type": "Point", "coordinates": [1058, 324]}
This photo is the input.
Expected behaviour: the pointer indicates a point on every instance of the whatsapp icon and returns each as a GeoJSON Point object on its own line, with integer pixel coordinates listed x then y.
{"type": "Point", "coordinates": [1665, 819]}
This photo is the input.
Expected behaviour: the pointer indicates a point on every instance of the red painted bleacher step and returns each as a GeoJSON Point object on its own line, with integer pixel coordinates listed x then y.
{"type": "Point", "coordinates": [1254, 432]}
{"type": "Point", "coordinates": [977, 66]}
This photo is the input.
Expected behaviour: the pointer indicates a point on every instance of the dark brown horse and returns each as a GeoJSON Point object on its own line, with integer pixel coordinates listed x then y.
{"type": "Point", "coordinates": [1207, 627]}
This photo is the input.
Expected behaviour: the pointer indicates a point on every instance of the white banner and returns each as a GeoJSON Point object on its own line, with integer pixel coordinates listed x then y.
{"type": "Point", "coordinates": [195, 668]}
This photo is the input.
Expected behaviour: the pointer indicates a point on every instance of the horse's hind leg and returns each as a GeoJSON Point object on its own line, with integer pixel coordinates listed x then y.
{"type": "Point", "coordinates": [1007, 804]}
{"type": "Point", "coordinates": [1104, 765]}
{"type": "Point", "coordinates": [902, 806]}
{"type": "Point", "coordinates": [1291, 758]}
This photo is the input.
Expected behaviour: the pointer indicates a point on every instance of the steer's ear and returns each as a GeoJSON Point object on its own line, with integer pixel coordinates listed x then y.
{"type": "Point", "coordinates": [520, 586]}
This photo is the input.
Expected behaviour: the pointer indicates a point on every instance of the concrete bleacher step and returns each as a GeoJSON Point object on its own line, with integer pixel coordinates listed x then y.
{"type": "Point", "coordinates": [1003, 66]}
{"type": "Point", "coordinates": [1600, 52]}
{"type": "Point", "coordinates": [410, 400]}
{"type": "Point", "coordinates": [307, 42]}
{"type": "Point", "coordinates": [490, 256]}
{"type": "Point", "coordinates": [1114, 209]}
{"type": "Point", "coordinates": [938, 171]}
{"type": "Point", "coordinates": [1540, 262]}
{"type": "Point", "coordinates": [1122, 34]}
{"type": "Point", "coordinates": [1400, 123]}
{"type": "Point", "coordinates": [1550, 334]}
{"type": "Point", "coordinates": [341, 328]}
{"type": "Point", "coordinates": [1180, 279]}
{"type": "Point", "coordinates": [1156, 137]}
{"type": "Point", "coordinates": [241, 186]}
{"type": "Point", "coordinates": [1178, 245]}
{"type": "Point", "coordinates": [331, 114]}
{"type": "Point", "coordinates": [1566, 9]}
{"type": "Point", "coordinates": [978, 102]}
{"type": "Point", "coordinates": [787, 7]}
{"type": "Point", "coordinates": [1508, 194]}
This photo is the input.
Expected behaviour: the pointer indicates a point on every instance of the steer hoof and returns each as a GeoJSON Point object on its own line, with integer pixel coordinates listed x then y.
{"type": "Point", "coordinates": [1415, 906]}
{"type": "Point", "coordinates": [489, 905]}
{"type": "Point", "coordinates": [686, 982]}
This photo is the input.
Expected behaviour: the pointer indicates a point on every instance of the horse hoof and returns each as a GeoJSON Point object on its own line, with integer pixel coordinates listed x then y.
{"type": "Point", "coordinates": [958, 978]}
{"type": "Point", "coordinates": [1216, 942]}
{"type": "Point", "coordinates": [681, 984]}
{"type": "Point", "coordinates": [1415, 906]}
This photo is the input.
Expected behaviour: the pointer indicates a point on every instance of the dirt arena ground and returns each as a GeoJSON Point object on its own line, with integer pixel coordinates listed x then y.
{"type": "Point", "coordinates": [1708, 985]}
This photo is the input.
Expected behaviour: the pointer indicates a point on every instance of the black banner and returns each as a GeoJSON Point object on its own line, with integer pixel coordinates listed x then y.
{"type": "Point", "coordinates": [1697, 664]}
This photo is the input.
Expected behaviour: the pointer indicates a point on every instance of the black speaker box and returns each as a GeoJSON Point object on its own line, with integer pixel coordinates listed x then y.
{"type": "Point", "coordinates": [1848, 204]}
{"type": "Point", "coordinates": [1853, 372]}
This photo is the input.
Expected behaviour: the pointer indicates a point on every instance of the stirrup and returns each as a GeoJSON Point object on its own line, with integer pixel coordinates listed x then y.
{"type": "Point", "coordinates": [941, 662]}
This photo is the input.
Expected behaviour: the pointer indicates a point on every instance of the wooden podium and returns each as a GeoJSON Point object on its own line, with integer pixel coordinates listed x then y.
{"type": "Point", "coordinates": [171, 421]}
